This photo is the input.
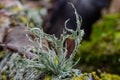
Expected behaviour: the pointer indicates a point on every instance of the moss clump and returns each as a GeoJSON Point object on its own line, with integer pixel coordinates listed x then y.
{"type": "Point", "coordinates": [103, 50]}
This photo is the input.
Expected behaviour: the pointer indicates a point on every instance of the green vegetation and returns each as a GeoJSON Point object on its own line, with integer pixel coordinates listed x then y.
{"type": "Point", "coordinates": [49, 57]}
{"type": "Point", "coordinates": [47, 60]}
{"type": "Point", "coordinates": [103, 50]}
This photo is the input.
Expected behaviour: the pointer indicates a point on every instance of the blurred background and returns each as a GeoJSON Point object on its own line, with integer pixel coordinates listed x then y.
{"type": "Point", "coordinates": [100, 47]}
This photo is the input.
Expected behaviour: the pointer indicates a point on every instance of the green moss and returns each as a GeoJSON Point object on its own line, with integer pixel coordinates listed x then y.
{"type": "Point", "coordinates": [103, 50]}
{"type": "Point", "coordinates": [2, 6]}
{"type": "Point", "coordinates": [110, 77]}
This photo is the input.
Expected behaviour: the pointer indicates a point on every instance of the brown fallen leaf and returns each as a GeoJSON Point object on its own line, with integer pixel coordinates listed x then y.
{"type": "Point", "coordinates": [4, 22]}
{"type": "Point", "coordinates": [17, 40]}
{"type": "Point", "coordinates": [70, 46]}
